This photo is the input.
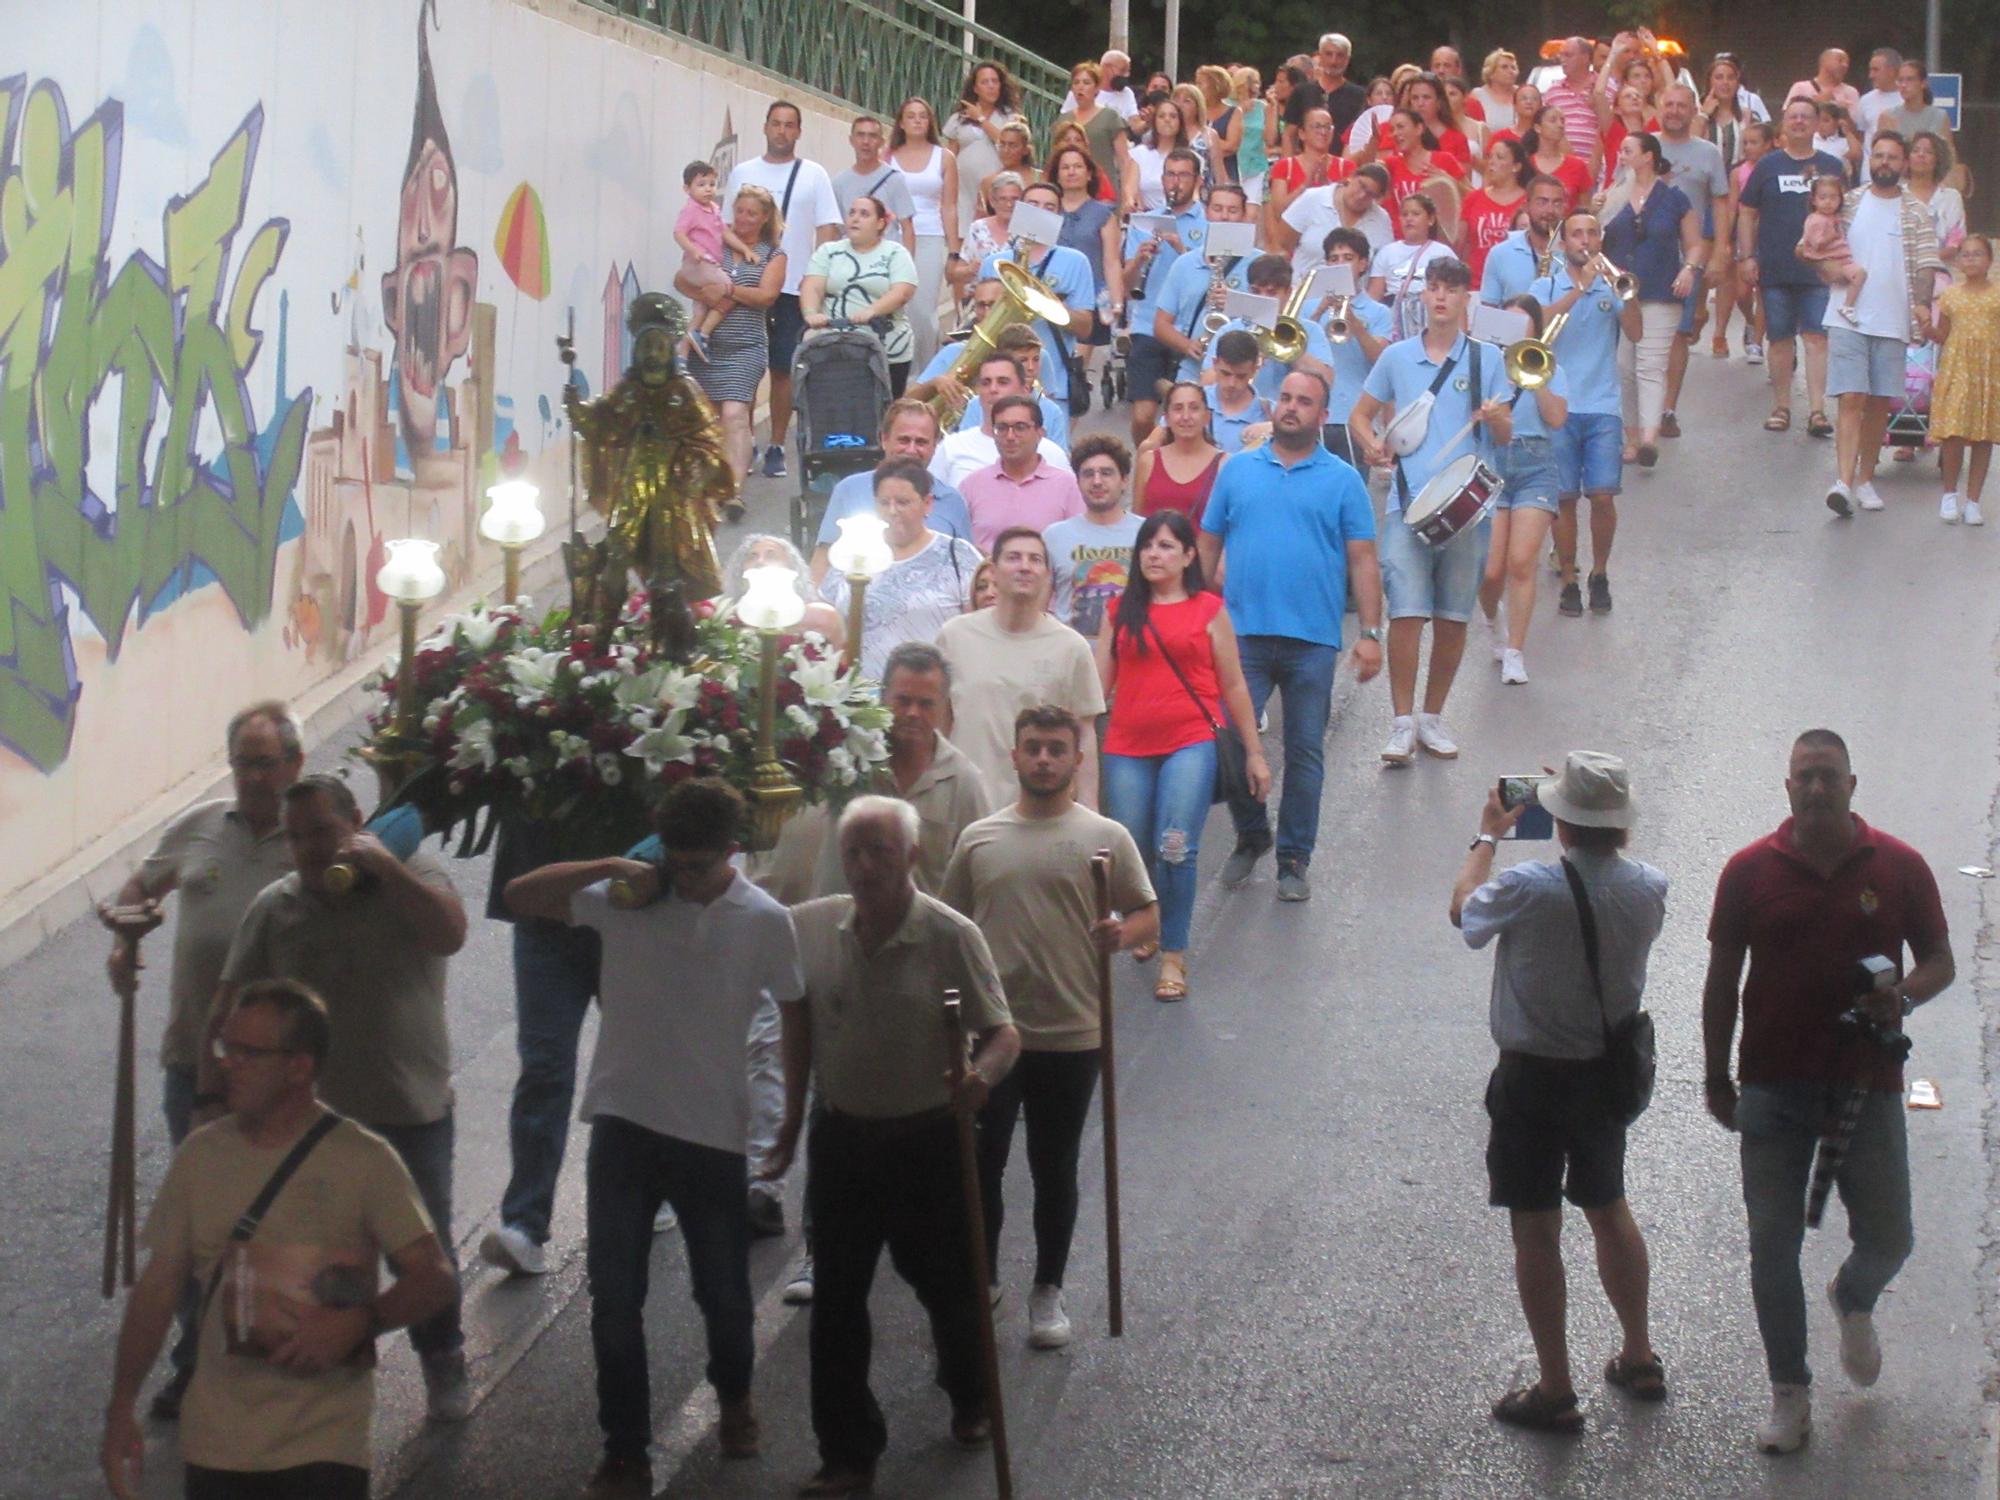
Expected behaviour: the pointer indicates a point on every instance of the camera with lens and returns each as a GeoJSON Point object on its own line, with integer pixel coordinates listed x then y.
{"type": "Point", "coordinates": [1867, 976]}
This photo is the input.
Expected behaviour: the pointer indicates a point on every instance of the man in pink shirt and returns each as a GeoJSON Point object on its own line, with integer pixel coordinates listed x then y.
{"type": "Point", "coordinates": [1571, 94]}
{"type": "Point", "coordinates": [1024, 488]}
{"type": "Point", "coordinates": [1829, 85]}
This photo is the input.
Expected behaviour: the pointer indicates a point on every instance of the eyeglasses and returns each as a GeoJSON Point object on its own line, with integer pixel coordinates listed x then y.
{"type": "Point", "coordinates": [227, 1051]}
{"type": "Point", "coordinates": [1012, 428]}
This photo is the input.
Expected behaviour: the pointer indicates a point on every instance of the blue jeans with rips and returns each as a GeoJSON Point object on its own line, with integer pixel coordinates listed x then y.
{"type": "Point", "coordinates": [1302, 673]}
{"type": "Point", "coordinates": [1163, 800]}
{"type": "Point", "coordinates": [555, 976]}
{"type": "Point", "coordinates": [1780, 1127]}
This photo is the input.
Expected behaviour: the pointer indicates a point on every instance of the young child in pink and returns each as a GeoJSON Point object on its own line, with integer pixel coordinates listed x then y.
{"type": "Point", "coordinates": [1823, 246]}
{"type": "Point", "coordinates": [701, 234]}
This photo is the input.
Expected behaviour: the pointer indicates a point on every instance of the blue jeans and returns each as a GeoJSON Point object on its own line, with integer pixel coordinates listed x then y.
{"type": "Point", "coordinates": [426, 1151]}
{"type": "Point", "coordinates": [1780, 1125]}
{"type": "Point", "coordinates": [1302, 672]}
{"type": "Point", "coordinates": [177, 1089]}
{"type": "Point", "coordinates": [628, 1173]}
{"type": "Point", "coordinates": [1163, 800]}
{"type": "Point", "coordinates": [555, 976]}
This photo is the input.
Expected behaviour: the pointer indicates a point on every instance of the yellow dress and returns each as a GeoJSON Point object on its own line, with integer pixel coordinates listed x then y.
{"type": "Point", "coordinates": [1965, 403]}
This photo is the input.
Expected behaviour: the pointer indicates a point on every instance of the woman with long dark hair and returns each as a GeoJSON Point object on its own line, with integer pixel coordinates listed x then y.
{"type": "Point", "coordinates": [989, 102]}
{"type": "Point", "coordinates": [1168, 653]}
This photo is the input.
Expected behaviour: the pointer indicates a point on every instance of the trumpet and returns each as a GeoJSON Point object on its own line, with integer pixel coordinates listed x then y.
{"type": "Point", "coordinates": [1531, 362]}
{"type": "Point", "coordinates": [1285, 340]}
{"type": "Point", "coordinates": [1623, 283]}
{"type": "Point", "coordinates": [1337, 328]}
{"type": "Point", "coordinates": [1215, 320]}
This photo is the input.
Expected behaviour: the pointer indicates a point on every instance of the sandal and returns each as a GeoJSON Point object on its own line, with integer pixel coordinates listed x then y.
{"type": "Point", "coordinates": [1643, 1380]}
{"type": "Point", "coordinates": [1780, 420]}
{"type": "Point", "coordinates": [1818, 426]}
{"type": "Point", "coordinates": [1145, 953]}
{"type": "Point", "coordinates": [1532, 1408]}
{"type": "Point", "coordinates": [1172, 984]}
{"type": "Point", "coordinates": [1648, 455]}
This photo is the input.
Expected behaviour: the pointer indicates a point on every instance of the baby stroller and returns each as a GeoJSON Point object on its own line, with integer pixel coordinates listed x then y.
{"type": "Point", "coordinates": [840, 388]}
{"type": "Point", "coordinates": [1910, 423]}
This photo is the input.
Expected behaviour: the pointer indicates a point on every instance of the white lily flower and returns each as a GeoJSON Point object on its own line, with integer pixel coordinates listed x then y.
{"type": "Point", "coordinates": [661, 746]}
{"type": "Point", "coordinates": [475, 746]}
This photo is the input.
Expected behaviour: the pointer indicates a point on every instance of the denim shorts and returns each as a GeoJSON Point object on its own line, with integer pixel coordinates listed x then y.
{"type": "Point", "coordinates": [1533, 483]}
{"type": "Point", "coordinates": [1863, 364]}
{"type": "Point", "coordinates": [1590, 453]}
{"type": "Point", "coordinates": [1792, 310]}
{"type": "Point", "coordinates": [1688, 306]}
{"type": "Point", "coordinates": [1426, 582]}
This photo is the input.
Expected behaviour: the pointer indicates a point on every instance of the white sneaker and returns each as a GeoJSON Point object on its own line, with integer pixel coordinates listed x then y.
{"type": "Point", "coordinates": [1048, 1324]}
{"type": "Point", "coordinates": [1865, 496]}
{"type": "Point", "coordinates": [1513, 666]}
{"type": "Point", "coordinates": [1786, 1429]}
{"type": "Point", "coordinates": [513, 1252]}
{"type": "Point", "coordinates": [1973, 516]}
{"type": "Point", "coordinates": [1860, 1349]}
{"type": "Point", "coordinates": [799, 1290]}
{"type": "Point", "coordinates": [664, 1221]}
{"type": "Point", "coordinates": [1840, 500]}
{"type": "Point", "coordinates": [1948, 508]}
{"type": "Point", "coordinates": [1753, 353]}
{"type": "Point", "coordinates": [1402, 746]}
{"type": "Point", "coordinates": [1435, 739]}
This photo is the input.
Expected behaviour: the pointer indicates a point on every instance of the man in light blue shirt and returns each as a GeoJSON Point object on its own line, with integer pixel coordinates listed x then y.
{"type": "Point", "coordinates": [1233, 406]}
{"type": "Point", "coordinates": [1590, 446]}
{"type": "Point", "coordinates": [1021, 341]}
{"type": "Point", "coordinates": [1514, 263]}
{"type": "Point", "coordinates": [909, 430]}
{"type": "Point", "coordinates": [1369, 324]}
{"type": "Point", "coordinates": [1293, 522]}
{"type": "Point", "coordinates": [1149, 262]}
{"type": "Point", "coordinates": [1177, 320]}
{"type": "Point", "coordinates": [1066, 273]}
{"type": "Point", "coordinates": [1467, 382]}
{"type": "Point", "coordinates": [1271, 276]}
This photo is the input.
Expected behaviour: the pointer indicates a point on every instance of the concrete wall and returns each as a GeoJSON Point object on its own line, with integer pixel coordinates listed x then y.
{"type": "Point", "coordinates": [280, 280]}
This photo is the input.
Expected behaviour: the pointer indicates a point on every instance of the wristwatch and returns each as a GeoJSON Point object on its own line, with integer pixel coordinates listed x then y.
{"type": "Point", "coordinates": [1484, 838]}
{"type": "Point", "coordinates": [1909, 1005]}
{"type": "Point", "coordinates": [1371, 633]}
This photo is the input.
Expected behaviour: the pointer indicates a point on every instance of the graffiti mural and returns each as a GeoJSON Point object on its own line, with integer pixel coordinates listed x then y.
{"type": "Point", "coordinates": [196, 489]}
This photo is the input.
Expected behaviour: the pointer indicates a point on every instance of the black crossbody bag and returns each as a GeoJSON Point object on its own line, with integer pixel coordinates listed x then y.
{"type": "Point", "coordinates": [1630, 1059]}
{"type": "Point", "coordinates": [246, 1226]}
{"type": "Point", "coordinates": [1232, 765]}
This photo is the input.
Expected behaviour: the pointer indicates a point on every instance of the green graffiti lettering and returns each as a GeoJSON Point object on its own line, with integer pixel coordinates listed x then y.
{"type": "Point", "coordinates": [73, 334]}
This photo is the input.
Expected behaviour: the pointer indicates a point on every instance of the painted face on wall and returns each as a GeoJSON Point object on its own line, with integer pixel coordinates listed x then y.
{"type": "Point", "coordinates": [427, 297]}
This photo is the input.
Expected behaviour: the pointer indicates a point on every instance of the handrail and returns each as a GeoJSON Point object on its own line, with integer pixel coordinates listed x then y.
{"type": "Point", "coordinates": [871, 53]}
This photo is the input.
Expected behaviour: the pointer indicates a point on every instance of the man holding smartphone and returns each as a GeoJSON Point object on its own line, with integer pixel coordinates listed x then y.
{"type": "Point", "coordinates": [1559, 990]}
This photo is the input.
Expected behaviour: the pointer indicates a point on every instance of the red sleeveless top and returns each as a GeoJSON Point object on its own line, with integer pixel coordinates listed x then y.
{"type": "Point", "coordinates": [1152, 713]}
{"type": "Point", "coordinates": [1164, 492]}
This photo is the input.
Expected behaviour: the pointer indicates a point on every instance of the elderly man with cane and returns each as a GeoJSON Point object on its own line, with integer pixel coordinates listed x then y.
{"type": "Point", "coordinates": [1574, 936]}
{"type": "Point", "coordinates": [1023, 875]}
{"type": "Point", "coordinates": [883, 1157]}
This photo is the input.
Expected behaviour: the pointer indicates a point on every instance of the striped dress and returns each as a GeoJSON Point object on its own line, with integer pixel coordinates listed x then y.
{"type": "Point", "coordinates": [737, 350]}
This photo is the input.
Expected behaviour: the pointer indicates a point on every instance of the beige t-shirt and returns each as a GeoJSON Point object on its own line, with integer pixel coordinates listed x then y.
{"type": "Point", "coordinates": [390, 1063]}
{"type": "Point", "coordinates": [996, 673]}
{"type": "Point", "coordinates": [878, 1037]}
{"type": "Point", "coordinates": [1026, 882]}
{"type": "Point", "coordinates": [209, 855]}
{"type": "Point", "coordinates": [949, 797]}
{"type": "Point", "coordinates": [347, 1206]}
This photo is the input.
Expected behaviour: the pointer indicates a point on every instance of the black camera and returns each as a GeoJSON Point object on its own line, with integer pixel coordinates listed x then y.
{"type": "Point", "coordinates": [1866, 976]}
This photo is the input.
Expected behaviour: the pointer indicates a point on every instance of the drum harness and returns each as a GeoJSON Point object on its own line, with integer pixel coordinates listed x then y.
{"type": "Point", "coordinates": [1444, 374]}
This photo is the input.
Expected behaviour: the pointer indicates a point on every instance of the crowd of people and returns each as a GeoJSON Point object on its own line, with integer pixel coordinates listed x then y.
{"type": "Point", "coordinates": [1467, 309]}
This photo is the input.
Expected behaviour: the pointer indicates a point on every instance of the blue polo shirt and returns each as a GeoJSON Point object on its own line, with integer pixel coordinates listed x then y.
{"type": "Point", "coordinates": [1270, 374]}
{"type": "Point", "coordinates": [855, 496]}
{"type": "Point", "coordinates": [1405, 372]}
{"type": "Point", "coordinates": [1187, 291]}
{"type": "Point", "coordinates": [1350, 364]}
{"type": "Point", "coordinates": [943, 360]}
{"type": "Point", "coordinates": [1066, 273]}
{"type": "Point", "coordinates": [1055, 419]}
{"type": "Point", "coordinates": [1528, 421]}
{"type": "Point", "coordinates": [1587, 346]}
{"type": "Point", "coordinates": [1286, 528]}
{"type": "Point", "coordinates": [1192, 227]}
{"type": "Point", "coordinates": [1510, 269]}
{"type": "Point", "coordinates": [1227, 429]}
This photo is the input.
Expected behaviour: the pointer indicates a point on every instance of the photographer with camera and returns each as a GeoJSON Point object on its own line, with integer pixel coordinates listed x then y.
{"type": "Point", "coordinates": [1575, 1065]}
{"type": "Point", "coordinates": [1824, 908]}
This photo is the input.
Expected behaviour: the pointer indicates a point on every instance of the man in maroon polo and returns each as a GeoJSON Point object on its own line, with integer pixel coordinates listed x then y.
{"type": "Point", "coordinates": [1806, 904]}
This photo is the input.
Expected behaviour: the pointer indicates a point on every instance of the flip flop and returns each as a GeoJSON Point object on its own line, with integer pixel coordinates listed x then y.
{"type": "Point", "coordinates": [1780, 420]}
{"type": "Point", "coordinates": [1529, 1407]}
{"type": "Point", "coordinates": [1818, 426]}
{"type": "Point", "coordinates": [1643, 1380]}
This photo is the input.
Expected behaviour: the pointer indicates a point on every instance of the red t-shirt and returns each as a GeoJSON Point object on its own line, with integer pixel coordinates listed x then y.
{"type": "Point", "coordinates": [1614, 137]}
{"type": "Point", "coordinates": [1472, 109]}
{"type": "Point", "coordinates": [1448, 141]}
{"type": "Point", "coordinates": [1292, 174]}
{"type": "Point", "coordinates": [1153, 714]}
{"type": "Point", "coordinates": [1573, 174]}
{"type": "Point", "coordinates": [1805, 933]}
{"type": "Point", "coordinates": [1403, 181]}
{"type": "Point", "coordinates": [1486, 224]}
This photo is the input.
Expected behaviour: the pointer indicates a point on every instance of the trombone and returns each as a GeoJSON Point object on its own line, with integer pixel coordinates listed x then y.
{"type": "Point", "coordinates": [1530, 362]}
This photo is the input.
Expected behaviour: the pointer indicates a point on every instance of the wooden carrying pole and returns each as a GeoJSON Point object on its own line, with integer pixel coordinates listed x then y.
{"type": "Point", "coordinates": [121, 1212]}
{"type": "Point", "coordinates": [975, 1226]}
{"type": "Point", "coordinates": [1114, 1256]}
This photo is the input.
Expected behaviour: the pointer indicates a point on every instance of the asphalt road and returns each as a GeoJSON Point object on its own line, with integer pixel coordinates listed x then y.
{"type": "Point", "coordinates": [1318, 1302]}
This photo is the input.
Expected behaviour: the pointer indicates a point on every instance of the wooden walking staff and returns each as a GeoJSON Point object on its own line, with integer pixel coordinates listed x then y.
{"type": "Point", "coordinates": [975, 1219]}
{"type": "Point", "coordinates": [129, 924]}
{"type": "Point", "coordinates": [1114, 1256]}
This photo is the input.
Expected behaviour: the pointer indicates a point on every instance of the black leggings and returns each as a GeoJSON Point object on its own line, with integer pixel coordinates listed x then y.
{"type": "Point", "coordinates": [1054, 1088]}
{"type": "Point", "coordinates": [899, 378]}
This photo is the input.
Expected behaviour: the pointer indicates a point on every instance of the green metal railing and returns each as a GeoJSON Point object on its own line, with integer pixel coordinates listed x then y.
{"type": "Point", "coordinates": [870, 53]}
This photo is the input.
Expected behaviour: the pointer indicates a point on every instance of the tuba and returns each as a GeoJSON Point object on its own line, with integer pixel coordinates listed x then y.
{"type": "Point", "coordinates": [1531, 361]}
{"type": "Point", "coordinates": [1026, 299]}
{"type": "Point", "coordinates": [1285, 341]}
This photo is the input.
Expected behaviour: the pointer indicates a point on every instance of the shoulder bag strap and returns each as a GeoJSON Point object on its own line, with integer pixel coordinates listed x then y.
{"type": "Point", "coordinates": [246, 1225]}
{"type": "Point", "coordinates": [785, 208]}
{"type": "Point", "coordinates": [1443, 374]}
{"type": "Point", "coordinates": [1589, 920]}
{"type": "Point", "coordinates": [1174, 667]}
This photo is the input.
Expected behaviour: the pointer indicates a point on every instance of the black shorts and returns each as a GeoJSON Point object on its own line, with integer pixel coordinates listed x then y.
{"type": "Point", "coordinates": [784, 326]}
{"type": "Point", "coordinates": [1552, 1138]}
{"type": "Point", "coordinates": [1147, 364]}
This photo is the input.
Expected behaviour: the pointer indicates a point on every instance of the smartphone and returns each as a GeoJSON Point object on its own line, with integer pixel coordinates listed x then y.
{"type": "Point", "coordinates": [1536, 821]}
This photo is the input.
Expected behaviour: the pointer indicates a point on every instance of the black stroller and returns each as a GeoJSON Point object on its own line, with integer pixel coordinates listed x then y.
{"type": "Point", "coordinates": [840, 388]}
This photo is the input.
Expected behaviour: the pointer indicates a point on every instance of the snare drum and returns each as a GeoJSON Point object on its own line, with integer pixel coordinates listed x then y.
{"type": "Point", "coordinates": [1458, 498]}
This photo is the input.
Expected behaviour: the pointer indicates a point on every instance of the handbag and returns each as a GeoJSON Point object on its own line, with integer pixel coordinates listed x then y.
{"type": "Point", "coordinates": [1630, 1059]}
{"type": "Point", "coordinates": [1232, 763]}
